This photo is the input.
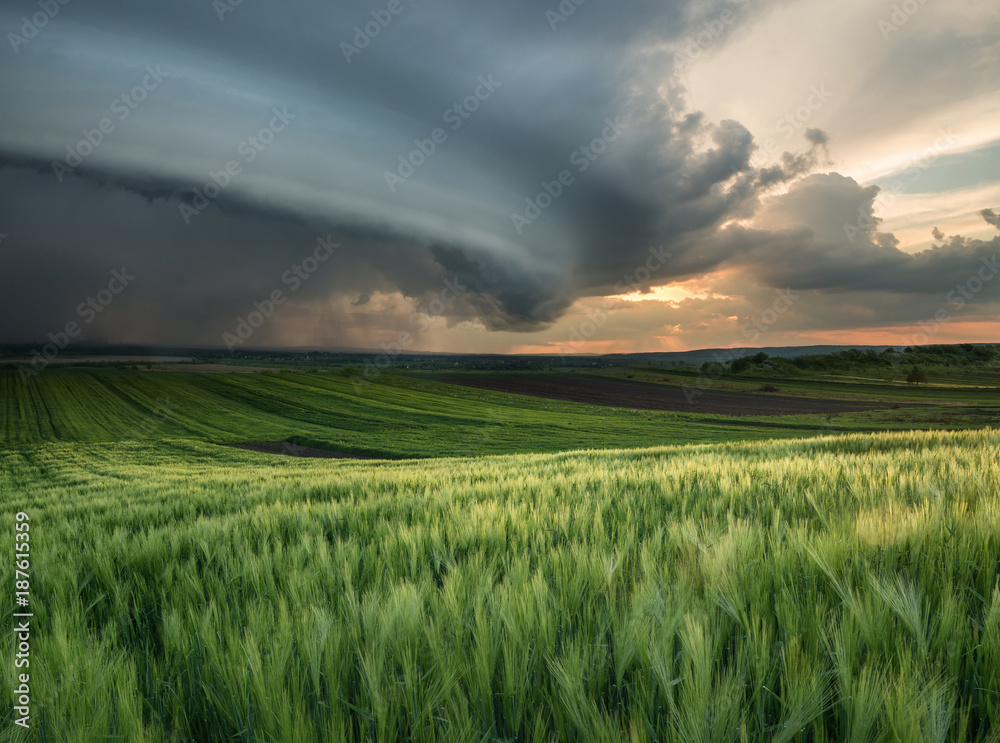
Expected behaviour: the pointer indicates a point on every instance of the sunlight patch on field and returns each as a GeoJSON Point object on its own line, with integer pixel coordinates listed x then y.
{"type": "Point", "coordinates": [891, 524]}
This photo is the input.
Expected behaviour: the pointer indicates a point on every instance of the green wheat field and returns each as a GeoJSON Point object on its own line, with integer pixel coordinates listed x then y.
{"type": "Point", "coordinates": [509, 569]}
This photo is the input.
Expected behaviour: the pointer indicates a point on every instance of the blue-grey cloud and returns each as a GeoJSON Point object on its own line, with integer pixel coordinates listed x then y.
{"type": "Point", "coordinates": [206, 146]}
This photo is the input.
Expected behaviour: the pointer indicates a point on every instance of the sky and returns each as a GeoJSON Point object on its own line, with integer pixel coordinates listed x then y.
{"type": "Point", "coordinates": [502, 177]}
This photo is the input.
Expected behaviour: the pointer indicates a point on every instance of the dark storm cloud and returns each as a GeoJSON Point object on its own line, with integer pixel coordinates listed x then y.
{"type": "Point", "coordinates": [817, 137]}
{"type": "Point", "coordinates": [505, 102]}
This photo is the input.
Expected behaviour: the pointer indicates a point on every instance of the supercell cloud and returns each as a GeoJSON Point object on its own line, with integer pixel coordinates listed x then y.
{"type": "Point", "coordinates": [519, 158]}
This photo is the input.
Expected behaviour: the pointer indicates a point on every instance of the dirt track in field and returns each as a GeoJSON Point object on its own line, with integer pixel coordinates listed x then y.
{"type": "Point", "coordinates": [624, 393]}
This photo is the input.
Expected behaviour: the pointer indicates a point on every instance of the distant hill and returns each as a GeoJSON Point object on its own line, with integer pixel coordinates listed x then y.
{"type": "Point", "coordinates": [335, 356]}
{"type": "Point", "coordinates": [725, 354]}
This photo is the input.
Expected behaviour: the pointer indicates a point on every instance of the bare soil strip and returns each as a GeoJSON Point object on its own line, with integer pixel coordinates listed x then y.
{"type": "Point", "coordinates": [215, 368]}
{"type": "Point", "coordinates": [289, 449]}
{"type": "Point", "coordinates": [622, 393]}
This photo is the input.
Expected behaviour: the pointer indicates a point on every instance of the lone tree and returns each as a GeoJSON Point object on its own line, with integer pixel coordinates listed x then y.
{"type": "Point", "coordinates": [917, 376]}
